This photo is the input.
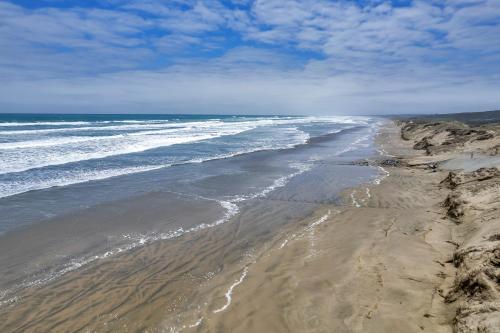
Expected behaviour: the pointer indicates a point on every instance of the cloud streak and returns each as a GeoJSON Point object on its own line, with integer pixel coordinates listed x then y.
{"type": "Point", "coordinates": [273, 56]}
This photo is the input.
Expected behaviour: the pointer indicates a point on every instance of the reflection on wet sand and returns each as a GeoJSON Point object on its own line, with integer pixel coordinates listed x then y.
{"type": "Point", "coordinates": [174, 283]}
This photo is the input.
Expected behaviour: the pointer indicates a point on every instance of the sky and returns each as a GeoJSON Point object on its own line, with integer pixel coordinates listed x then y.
{"type": "Point", "coordinates": [250, 57]}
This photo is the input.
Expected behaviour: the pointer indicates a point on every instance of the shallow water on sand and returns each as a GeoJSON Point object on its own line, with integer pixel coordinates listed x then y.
{"type": "Point", "coordinates": [128, 253]}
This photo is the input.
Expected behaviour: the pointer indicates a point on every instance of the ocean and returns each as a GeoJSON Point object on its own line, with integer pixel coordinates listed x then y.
{"type": "Point", "coordinates": [43, 151]}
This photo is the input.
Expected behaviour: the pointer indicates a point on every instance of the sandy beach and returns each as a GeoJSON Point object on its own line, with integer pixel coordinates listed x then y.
{"type": "Point", "coordinates": [415, 249]}
{"type": "Point", "coordinates": [376, 264]}
{"type": "Point", "coordinates": [250, 166]}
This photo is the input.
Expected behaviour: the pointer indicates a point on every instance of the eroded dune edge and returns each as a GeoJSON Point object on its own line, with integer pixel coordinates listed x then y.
{"type": "Point", "coordinates": [473, 205]}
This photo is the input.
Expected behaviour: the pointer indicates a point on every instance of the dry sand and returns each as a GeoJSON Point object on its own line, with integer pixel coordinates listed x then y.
{"type": "Point", "coordinates": [407, 253]}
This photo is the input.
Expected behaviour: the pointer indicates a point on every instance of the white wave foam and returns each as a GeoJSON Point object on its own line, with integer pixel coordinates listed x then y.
{"type": "Point", "coordinates": [52, 151]}
{"type": "Point", "coordinates": [385, 174]}
{"type": "Point", "coordinates": [9, 301]}
{"type": "Point", "coordinates": [229, 292]}
{"type": "Point", "coordinates": [196, 324]}
{"type": "Point", "coordinates": [321, 220]}
{"type": "Point", "coordinates": [135, 127]}
{"type": "Point", "coordinates": [141, 239]}
{"type": "Point", "coordinates": [183, 327]}
{"type": "Point", "coordinates": [65, 140]}
{"type": "Point", "coordinates": [144, 124]}
{"type": "Point", "coordinates": [312, 234]}
{"type": "Point", "coordinates": [77, 123]}
{"type": "Point", "coordinates": [280, 182]}
{"type": "Point", "coordinates": [25, 155]}
{"type": "Point", "coordinates": [36, 157]}
{"type": "Point", "coordinates": [59, 141]}
{"type": "Point", "coordinates": [310, 230]}
{"type": "Point", "coordinates": [284, 243]}
{"type": "Point", "coordinates": [44, 151]}
{"type": "Point", "coordinates": [69, 177]}
{"type": "Point", "coordinates": [44, 123]}
{"type": "Point", "coordinates": [354, 201]}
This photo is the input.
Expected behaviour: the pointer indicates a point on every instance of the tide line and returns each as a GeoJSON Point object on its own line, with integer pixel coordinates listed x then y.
{"type": "Point", "coordinates": [229, 292]}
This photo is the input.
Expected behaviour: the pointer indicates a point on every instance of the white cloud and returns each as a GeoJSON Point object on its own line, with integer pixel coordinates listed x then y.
{"type": "Point", "coordinates": [294, 56]}
{"type": "Point", "coordinates": [185, 92]}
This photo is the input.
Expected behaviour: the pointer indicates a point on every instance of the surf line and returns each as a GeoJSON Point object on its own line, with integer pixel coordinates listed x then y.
{"type": "Point", "coordinates": [309, 228]}
{"type": "Point", "coordinates": [312, 231]}
{"type": "Point", "coordinates": [229, 292]}
{"type": "Point", "coordinates": [354, 201]}
{"type": "Point", "coordinates": [379, 180]}
{"type": "Point", "coordinates": [320, 221]}
{"type": "Point", "coordinates": [285, 242]}
{"type": "Point", "coordinates": [184, 327]}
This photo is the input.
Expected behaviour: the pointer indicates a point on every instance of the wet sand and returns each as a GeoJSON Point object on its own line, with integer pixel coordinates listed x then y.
{"type": "Point", "coordinates": [417, 251]}
{"type": "Point", "coordinates": [377, 258]}
{"type": "Point", "coordinates": [376, 265]}
{"type": "Point", "coordinates": [162, 283]}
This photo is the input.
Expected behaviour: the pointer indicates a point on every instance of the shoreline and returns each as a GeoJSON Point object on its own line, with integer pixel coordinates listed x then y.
{"type": "Point", "coordinates": [155, 285]}
{"type": "Point", "coordinates": [393, 256]}
{"type": "Point", "coordinates": [389, 259]}
{"type": "Point", "coordinates": [354, 268]}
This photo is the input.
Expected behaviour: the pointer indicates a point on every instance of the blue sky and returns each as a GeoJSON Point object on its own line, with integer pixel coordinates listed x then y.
{"type": "Point", "coordinates": [242, 56]}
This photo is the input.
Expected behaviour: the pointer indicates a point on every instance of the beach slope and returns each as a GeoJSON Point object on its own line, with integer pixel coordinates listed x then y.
{"type": "Point", "coordinates": [416, 250]}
